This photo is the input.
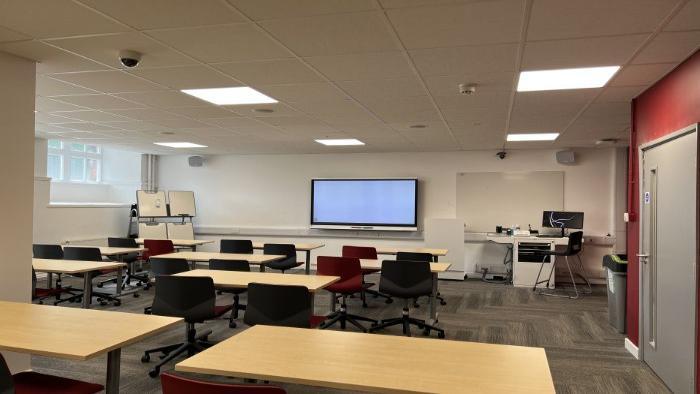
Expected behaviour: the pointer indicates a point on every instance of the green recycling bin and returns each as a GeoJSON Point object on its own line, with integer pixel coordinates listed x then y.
{"type": "Point", "coordinates": [616, 270]}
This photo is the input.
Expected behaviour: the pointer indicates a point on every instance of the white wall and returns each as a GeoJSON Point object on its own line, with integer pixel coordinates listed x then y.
{"type": "Point", "coordinates": [17, 78]}
{"type": "Point", "coordinates": [263, 195]}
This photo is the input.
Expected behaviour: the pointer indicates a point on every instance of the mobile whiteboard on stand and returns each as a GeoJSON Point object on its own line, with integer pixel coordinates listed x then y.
{"type": "Point", "coordinates": [151, 204]}
{"type": "Point", "coordinates": [182, 203]}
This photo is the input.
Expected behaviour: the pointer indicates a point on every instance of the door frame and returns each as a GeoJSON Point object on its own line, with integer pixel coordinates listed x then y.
{"type": "Point", "coordinates": [693, 128]}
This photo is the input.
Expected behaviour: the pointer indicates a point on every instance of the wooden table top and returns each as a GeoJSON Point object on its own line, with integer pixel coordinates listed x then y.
{"type": "Point", "coordinates": [183, 242]}
{"type": "Point", "coordinates": [238, 279]}
{"type": "Point", "coordinates": [380, 363]}
{"type": "Point", "coordinates": [377, 264]}
{"type": "Point", "coordinates": [206, 256]}
{"type": "Point", "coordinates": [73, 266]}
{"type": "Point", "coordinates": [300, 247]}
{"type": "Point", "coordinates": [108, 250]}
{"type": "Point", "coordinates": [73, 333]}
{"type": "Point", "coordinates": [433, 251]}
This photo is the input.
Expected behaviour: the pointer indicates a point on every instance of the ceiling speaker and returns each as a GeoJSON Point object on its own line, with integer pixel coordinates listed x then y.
{"type": "Point", "coordinates": [566, 157]}
{"type": "Point", "coordinates": [195, 161]}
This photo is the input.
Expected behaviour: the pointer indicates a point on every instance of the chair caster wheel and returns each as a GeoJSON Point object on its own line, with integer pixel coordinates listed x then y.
{"type": "Point", "coordinates": [232, 325]}
{"type": "Point", "coordinates": [41, 302]}
{"type": "Point", "coordinates": [100, 285]}
{"type": "Point", "coordinates": [389, 301]}
{"type": "Point", "coordinates": [137, 295]}
{"type": "Point", "coordinates": [148, 286]}
{"type": "Point", "coordinates": [443, 303]}
{"type": "Point", "coordinates": [426, 332]}
{"type": "Point", "coordinates": [103, 303]}
{"type": "Point", "coordinates": [364, 305]}
{"type": "Point", "coordinates": [154, 373]}
{"type": "Point", "coordinates": [219, 292]}
{"type": "Point", "coordinates": [416, 306]}
{"type": "Point", "coordinates": [441, 335]}
{"type": "Point", "coordinates": [145, 358]}
{"type": "Point", "coordinates": [117, 303]}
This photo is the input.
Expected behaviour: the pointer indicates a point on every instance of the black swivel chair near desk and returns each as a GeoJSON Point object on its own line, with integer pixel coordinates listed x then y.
{"type": "Point", "coordinates": [413, 256]}
{"type": "Point", "coordinates": [573, 248]}
{"type": "Point", "coordinates": [288, 250]}
{"type": "Point", "coordinates": [241, 246]}
{"type": "Point", "coordinates": [280, 305]}
{"type": "Point", "coordinates": [130, 260]}
{"type": "Point", "coordinates": [92, 254]}
{"type": "Point", "coordinates": [232, 265]}
{"type": "Point", "coordinates": [55, 252]}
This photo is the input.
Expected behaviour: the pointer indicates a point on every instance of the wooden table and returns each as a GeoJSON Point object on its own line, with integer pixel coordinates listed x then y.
{"type": "Point", "coordinates": [76, 334]}
{"type": "Point", "coordinates": [109, 251]}
{"type": "Point", "coordinates": [393, 251]}
{"type": "Point", "coordinates": [435, 269]}
{"type": "Point", "coordinates": [187, 243]}
{"type": "Point", "coordinates": [300, 247]}
{"type": "Point", "coordinates": [380, 363]}
{"type": "Point", "coordinates": [194, 257]}
{"type": "Point", "coordinates": [79, 267]}
{"type": "Point", "coordinates": [239, 279]}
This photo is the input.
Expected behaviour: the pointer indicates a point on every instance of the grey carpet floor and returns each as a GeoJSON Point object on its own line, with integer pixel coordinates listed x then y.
{"type": "Point", "coordinates": [586, 355]}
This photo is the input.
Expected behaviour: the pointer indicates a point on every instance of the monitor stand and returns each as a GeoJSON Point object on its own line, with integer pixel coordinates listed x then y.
{"type": "Point", "coordinates": [562, 232]}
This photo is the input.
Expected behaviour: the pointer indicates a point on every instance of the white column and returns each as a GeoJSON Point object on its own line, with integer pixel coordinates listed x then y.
{"type": "Point", "coordinates": [17, 78]}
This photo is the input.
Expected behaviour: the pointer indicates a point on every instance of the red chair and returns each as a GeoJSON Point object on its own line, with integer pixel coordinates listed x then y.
{"type": "Point", "coordinates": [350, 273]}
{"type": "Point", "coordinates": [38, 383]}
{"type": "Point", "coordinates": [173, 384]}
{"type": "Point", "coordinates": [370, 253]}
{"type": "Point", "coordinates": [156, 247]}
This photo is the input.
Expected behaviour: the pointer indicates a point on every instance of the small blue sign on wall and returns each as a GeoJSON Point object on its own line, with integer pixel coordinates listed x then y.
{"type": "Point", "coordinates": [647, 197]}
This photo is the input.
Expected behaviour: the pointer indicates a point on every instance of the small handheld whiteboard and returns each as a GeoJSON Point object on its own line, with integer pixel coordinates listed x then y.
{"type": "Point", "coordinates": [151, 204]}
{"type": "Point", "coordinates": [182, 203]}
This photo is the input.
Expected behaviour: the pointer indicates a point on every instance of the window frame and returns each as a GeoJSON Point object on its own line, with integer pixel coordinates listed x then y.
{"type": "Point", "coordinates": [66, 153]}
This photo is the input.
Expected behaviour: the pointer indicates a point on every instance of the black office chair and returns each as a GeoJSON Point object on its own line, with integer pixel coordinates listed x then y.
{"type": "Point", "coordinates": [242, 246]}
{"type": "Point", "coordinates": [277, 305]}
{"type": "Point", "coordinates": [232, 265]}
{"type": "Point", "coordinates": [91, 254]}
{"type": "Point", "coordinates": [288, 250]}
{"type": "Point", "coordinates": [55, 252]}
{"type": "Point", "coordinates": [130, 260]}
{"type": "Point", "coordinates": [191, 298]}
{"type": "Point", "coordinates": [161, 267]}
{"type": "Point", "coordinates": [406, 279]}
{"type": "Point", "coordinates": [573, 248]}
{"type": "Point", "coordinates": [412, 256]}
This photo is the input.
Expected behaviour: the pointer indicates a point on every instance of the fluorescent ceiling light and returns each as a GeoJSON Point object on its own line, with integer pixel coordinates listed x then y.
{"type": "Point", "coordinates": [180, 145]}
{"type": "Point", "coordinates": [533, 137]}
{"type": "Point", "coordinates": [567, 78]}
{"type": "Point", "coordinates": [230, 96]}
{"type": "Point", "coordinates": [341, 142]}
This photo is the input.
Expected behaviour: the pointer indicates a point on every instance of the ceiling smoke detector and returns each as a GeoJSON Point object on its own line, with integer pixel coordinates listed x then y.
{"type": "Point", "coordinates": [167, 133]}
{"type": "Point", "coordinates": [263, 110]}
{"type": "Point", "coordinates": [417, 126]}
{"type": "Point", "coordinates": [606, 141]}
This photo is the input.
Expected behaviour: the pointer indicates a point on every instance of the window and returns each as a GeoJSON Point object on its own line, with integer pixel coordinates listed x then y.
{"type": "Point", "coordinates": [74, 162]}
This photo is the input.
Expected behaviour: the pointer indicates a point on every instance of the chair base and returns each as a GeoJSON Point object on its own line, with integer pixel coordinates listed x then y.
{"type": "Point", "coordinates": [237, 306]}
{"type": "Point", "coordinates": [406, 321]}
{"type": "Point", "coordinates": [195, 344]}
{"type": "Point", "coordinates": [377, 294]}
{"type": "Point", "coordinates": [341, 316]}
{"type": "Point", "coordinates": [571, 275]}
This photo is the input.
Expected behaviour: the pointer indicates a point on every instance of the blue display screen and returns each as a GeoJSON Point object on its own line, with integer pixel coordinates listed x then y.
{"type": "Point", "coordinates": [389, 202]}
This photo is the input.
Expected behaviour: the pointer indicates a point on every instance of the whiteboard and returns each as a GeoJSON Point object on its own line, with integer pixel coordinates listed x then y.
{"type": "Point", "coordinates": [181, 203]}
{"type": "Point", "coordinates": [488, 199]}
{"type": "Point", "coordinates": [180, 231]}
{"type": "Point", "coordinates": [151, 204]}
{"type": "Point", "coordinates": [153, 231]}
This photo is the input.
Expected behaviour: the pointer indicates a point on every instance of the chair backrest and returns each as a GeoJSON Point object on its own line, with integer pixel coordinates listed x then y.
{"type": "Point", "coordinates": [413, 256]}
{"type": "Point", "coordinates": [360, 252]}
{"type": "Point", "coordinates": [84, 254]}
{"type": "Point", "coordinates": [172, 384]}
{"type": "Point", "coordinates": [42, 251]}
{"type": "Point", "coordinates": [7, 385]}
{"type": "Point", "coordinates": [229, 265]}
{"type": "Point", "coordinates": [157, 246]}
{"type": "Point", "coordinates": [575, 243]}
{"type": "Point", "coordinates": [242, 246]}
{"type": "Point", "coordinates": [277, 305]}
{"type": "Point", "coordinates": [160, 266]}
{"type": "Point", "coordinates": [121, 242]}
{"type": "Point", "coordinates": [192, 298]}
{"type": "Point", "coordinates": [344, 267]}
{"type": "Point", "coordinates": [288, 250]}
{"type": "Point", "coordinates": [406, 278]}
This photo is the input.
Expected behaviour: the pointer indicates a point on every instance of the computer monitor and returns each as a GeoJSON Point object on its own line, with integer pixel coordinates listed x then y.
{"type": "Point", "coordinates": [562, 220]}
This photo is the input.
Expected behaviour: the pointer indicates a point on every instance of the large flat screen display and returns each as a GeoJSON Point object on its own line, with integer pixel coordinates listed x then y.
{"type": "Point", "coordinates": [365, 204]}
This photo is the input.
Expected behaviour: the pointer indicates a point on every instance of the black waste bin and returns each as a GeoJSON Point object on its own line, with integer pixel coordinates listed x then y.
{"type": "Point", "coordinates": [616, 269]}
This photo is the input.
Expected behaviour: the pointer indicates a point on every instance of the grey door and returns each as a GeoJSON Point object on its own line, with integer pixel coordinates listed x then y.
{"type": "Point", "coordinates": [667, 258]}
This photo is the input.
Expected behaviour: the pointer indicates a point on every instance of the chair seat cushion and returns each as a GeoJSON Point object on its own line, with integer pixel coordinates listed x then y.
{"type": "Point", "coordinates": [348, 286]}
{"type": "Point", "coordinates": [34, 382]}
{"type": "Point", "coordinates": [316, 321]}
{"type": "Point", "coordinates": [221, 309]}
{"type": "Point", "coordinates": [367, 271]}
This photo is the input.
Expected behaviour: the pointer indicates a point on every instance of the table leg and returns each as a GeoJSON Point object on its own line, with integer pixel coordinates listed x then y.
{"type": "Point", "coordinates": [119, 281]}
{"type": "Point", "coordinates": [308, 262]}
{"type": "Point", "coordinates": [432, 313]}
{"type": "Point", "coordinates": [435, 258]}
{"type": "Point", "coordinates": [49, 280]}
{"type": "Point", "coordinates": [262, 267]}
{"type": "Point", "coordinates": [113, 367]}
{"type": "Point", "coordinates": [332, 303]}
{"type": "Point", "coordinates": [87, 290]}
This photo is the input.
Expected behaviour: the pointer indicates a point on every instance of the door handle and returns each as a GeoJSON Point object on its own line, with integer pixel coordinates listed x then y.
{"type": "Point", "coordinates": [643, 257]}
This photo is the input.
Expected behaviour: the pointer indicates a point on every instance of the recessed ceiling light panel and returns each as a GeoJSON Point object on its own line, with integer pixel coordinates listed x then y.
{"type": "Point", "coordinates": [567, 78]}
{"type": "Point", "coordinates": [532, 137]}
{"type": "Point", "coordinates": [341, 142]}
{"type": "Point", "coordinates": [231, 96]}
{"type": "Point", "coordinates": [180, 144]}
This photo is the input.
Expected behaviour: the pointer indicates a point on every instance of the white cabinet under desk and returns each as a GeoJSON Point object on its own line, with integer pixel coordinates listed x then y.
{"type": "Point", "coordinates": [525, 268]}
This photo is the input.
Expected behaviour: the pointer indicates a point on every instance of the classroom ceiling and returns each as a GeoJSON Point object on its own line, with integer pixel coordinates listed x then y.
{"type": "Point", "coordinates": [383, 71]}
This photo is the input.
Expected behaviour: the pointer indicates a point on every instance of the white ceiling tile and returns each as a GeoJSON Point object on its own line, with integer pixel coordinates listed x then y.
{"type": "Point", "coordinates": [133, 125]}
{"type": "Point", "coordinates": [10, 35]}
{"type": "Point", "coordinates": [334, 34]}
{"type": "Point", "coordinates": [108, 81]}
{"type": "Point", "coordinates": [105, 49]}
{"type": "Point", "coordinates": [225, 43]}
{"type": "Point", "coordinates": [448, 85]}
{"type": "Point", "coordinates": [144, 114]}
{"type": "Point", "coordinates": [619, 94]}
{"type": "Point", "coordinates": [548, 111]}
{"type": "Point", "coordinates": [92, 116]}
{"type": "Point", "coordinates": [687, 18]}
{"type": "Point", "coordinates": [98, 101]}
{"type": "Point", "coordinates": [362, 66]}
{"type": "Point", "coordinates": [404, 109]}
{"type": "Point", "coordinates": [274, 9]}
{"type": "Point", "coordinates": [270, 72]}
{"type": "Point", "coordinates": [47, 87]}
{"type": "Point", "coordinates": [187, 77]}
{"type": "Point", "coordinates": [420, 3]}
{"type": "Point", "coordinates": [299, 125]}
{"type": "Point", "coordinates": [50, 59]}
{"type": "Point", "coordinates": [47, 118]}
{"type": "Point", "coordinates": [429, 127]}
{"type": "Point", "coordinates": [466, 60]}
{"type": "Point", "coordinates": [478, 107]}
{"type": "Point", "coordinates": [54, 18]}
{"type": "Point", "coordinates": [87, 126]}
{"type": "Point", "coordinates": [44, 104]}
{"type": "Point", "coordinates": [302, 92]}
{"type": "Point", "coordinates": [181, 123]}
{"type": "Point", "coordinates": [556, 19]}
{"type": "Point", "coordinates": [581, 52]}
{"type": "Point", "coordinates": [164, 99]}
{"type": "Point", "coordinates": [50, 128]}
{"type": "Point", "coordinates": [489, 22]}
{"type": "Point", "coordinates": [644, 74]}
{"type": "Point", "coordinates": [383, 88]}
{"type": "Point", "coordinates": [670, 47]}
{"type": "Point", "coordinates": [433, 141]}
{"type": "Point", "coordinates": [156, 14]}
{"type": "Point", "coordinates": [253, 111]}
{"type": "Point", "coordinates": [210, 111]}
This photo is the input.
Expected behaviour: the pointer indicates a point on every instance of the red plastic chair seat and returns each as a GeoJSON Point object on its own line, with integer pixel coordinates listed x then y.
{"type": "Point", "coordinates": [367, 271]}
{"type": "Point", "coordinates": [221, 309]}
{"type": "Point", "coordinates": [38, 383]}
{"type": "Point", "coordinates": [348, 286]}
{"type": "Point", "coordinates": [174, 384]}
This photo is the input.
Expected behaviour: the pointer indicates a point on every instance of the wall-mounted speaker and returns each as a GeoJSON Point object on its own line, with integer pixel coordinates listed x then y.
{"type": "Point", "coordinates": [195, 161]}
{"type": "Point", "coordinates": [566, 157]}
